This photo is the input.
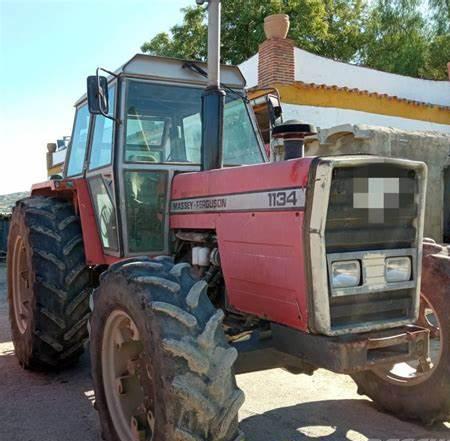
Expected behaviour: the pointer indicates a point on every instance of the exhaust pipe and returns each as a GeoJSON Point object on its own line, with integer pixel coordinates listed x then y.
{"type": "Point", "coordinates": [213, 98]}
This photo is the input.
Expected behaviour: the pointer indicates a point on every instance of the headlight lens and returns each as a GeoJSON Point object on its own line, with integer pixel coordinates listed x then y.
{"type": "Point", "coordinates": [345, 274]}
{"type": "Point", "coordinates": [398, 269]}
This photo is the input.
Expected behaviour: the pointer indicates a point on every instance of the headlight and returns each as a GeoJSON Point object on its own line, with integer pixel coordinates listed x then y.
{"type": "Point", "coordinates": [398, 269]}
{"type": "Point", "coordinates": [345, 274]}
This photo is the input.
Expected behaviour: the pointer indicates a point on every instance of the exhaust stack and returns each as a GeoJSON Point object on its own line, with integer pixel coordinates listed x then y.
{"type": "Point", "coordinates": [213, 98]}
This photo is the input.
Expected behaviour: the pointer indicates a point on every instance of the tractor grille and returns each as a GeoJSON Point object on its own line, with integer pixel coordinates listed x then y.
{"type": "Point", "coordinates": [366, 308]}
{"type": "Point", "coordinates": [350, 229]}
{"type": "Point", "coordinates": [354, 229]}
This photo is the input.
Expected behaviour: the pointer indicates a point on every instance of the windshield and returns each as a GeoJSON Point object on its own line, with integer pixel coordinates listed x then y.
{"type": "Point", "coordinates": [163, 125]}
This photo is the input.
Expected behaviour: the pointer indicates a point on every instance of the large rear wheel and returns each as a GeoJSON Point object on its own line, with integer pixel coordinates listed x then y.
{"type": "Point", "coordinates": [47, 283]}
{"type": "Point", "coordinates": [420, 389]}
{"type": "Point", "coordinates": [162, 368]}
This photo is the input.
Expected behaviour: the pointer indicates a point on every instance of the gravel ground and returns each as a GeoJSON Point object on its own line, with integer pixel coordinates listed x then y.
{"type": "Point", "coordinates": [279, 406]}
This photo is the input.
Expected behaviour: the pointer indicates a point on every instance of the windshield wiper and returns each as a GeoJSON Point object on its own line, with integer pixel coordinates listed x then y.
{"type": "Point", "coordinates": [197, 69]}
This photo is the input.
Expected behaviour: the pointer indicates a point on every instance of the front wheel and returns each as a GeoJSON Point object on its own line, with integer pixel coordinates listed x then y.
{"type": "Point", "coordinates": [420, 389]}
{"type": "Point", "coordinates": [162, 368]}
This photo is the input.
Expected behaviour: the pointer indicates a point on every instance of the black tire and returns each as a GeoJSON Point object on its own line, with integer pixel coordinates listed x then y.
{"type": "Point", "coordinates": [47, 235]}
{"type": "Point", "coordinates": [184, 348]}
{"type": "Point", "coordinates": [428, 401]}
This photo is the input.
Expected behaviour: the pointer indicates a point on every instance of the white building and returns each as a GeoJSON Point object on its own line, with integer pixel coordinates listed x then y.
{"type": "Point", "coordinates": [327, 93]}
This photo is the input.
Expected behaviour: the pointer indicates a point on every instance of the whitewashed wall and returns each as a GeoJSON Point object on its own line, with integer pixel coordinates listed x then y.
{"type": "Point", "coordinates": [326, 117]}
{"type": "Point", "coordinates": [311, 68]}
{"type": "Point", "coordinates": [249, 69]}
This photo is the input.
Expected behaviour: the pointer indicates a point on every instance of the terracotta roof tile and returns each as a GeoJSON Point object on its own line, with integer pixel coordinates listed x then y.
{"type": "Point", "coordinates": [371, 94]}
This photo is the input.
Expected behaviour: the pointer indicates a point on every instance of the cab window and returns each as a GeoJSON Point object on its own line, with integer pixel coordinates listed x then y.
{"type": "Point", "coordinates": [102, 141]}
{"type": "Point", "coordinates": [240, 144]}
{"type": "Point", "coordinates": [79, 142]}
{"type": "Point", "coordinates": [145, 207]}
{"type": "Point", "coordinates": [163, 125]}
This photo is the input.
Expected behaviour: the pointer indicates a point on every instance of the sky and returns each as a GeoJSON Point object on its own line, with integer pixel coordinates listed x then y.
{"type": "Point", "coordinates": [47, 49]}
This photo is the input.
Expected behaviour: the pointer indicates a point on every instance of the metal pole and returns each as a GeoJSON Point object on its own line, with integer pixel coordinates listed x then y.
{"type": "Point", "coordinates": [214, 12]}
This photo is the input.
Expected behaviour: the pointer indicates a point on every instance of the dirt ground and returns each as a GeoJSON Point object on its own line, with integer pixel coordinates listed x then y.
{"type": "Point", "coordinates": [279, 406]}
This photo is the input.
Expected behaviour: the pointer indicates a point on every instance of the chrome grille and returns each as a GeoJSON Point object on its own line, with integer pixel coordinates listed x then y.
{"type": "Point", "coordinates": [350, 230]}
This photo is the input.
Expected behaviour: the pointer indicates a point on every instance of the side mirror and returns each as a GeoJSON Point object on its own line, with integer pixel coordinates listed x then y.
{"type": "Point", "coordinates": [275, 110]}
{"type": "Point", "coordinates": [97, 94]}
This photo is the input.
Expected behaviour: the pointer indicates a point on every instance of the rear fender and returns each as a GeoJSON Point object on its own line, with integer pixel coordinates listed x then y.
{"type": "Point", "coordinates": [77, 192]}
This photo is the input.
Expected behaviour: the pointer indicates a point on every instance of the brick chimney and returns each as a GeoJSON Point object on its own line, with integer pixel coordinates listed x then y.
{"type": "Point", "coordinates": [276, 56]}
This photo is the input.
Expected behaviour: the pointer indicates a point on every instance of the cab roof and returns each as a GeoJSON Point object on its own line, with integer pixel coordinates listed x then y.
{"type": "Point", "coordinates": [171, 69]}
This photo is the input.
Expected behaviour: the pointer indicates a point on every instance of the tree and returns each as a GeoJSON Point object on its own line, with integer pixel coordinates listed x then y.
{"type": "Point", "coordinates": [396, 37]}
{"type": "Point", "coordinates": [438, 53]}
{"type": "Point", "coordinates": [243, 25]}
{"type": "Point", "coordinates": [390, 35]}
{"type": "Point", "coordinates": [345, 23]}
{"type": "Point", "coordinates": [436, 58]}
{"type": "Point", "coordinates": [188, 40]}
{"type": "Point", "coordinates": [327, 27]}
{"type": "Point", "coordinates": [441, 9]}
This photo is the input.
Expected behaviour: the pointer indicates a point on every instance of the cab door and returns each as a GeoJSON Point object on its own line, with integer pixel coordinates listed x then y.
{"type": "Point", "coordinates": [100, 176]}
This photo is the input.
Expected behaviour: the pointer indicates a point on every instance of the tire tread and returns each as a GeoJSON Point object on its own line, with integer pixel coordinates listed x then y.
{"type": "Point", "coordinates": [61, 281]}
{"type": "Point", "coordinates": [203, 399]}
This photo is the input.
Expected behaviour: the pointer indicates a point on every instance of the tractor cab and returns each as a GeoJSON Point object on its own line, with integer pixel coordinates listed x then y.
{"type": "Point", "coordinates": [146, 129]}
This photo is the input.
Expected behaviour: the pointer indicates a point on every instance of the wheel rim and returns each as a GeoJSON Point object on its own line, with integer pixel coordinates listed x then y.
{"type": "Point", "coordinates": [22, 292]}
{"type": "Point", "coordinates": [418, 371]}
{"type": "Point", "coordinates": [127, 379]}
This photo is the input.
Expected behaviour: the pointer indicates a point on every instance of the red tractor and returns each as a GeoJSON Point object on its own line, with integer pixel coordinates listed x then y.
{"type": "Point", "coordinates": [193, 259]}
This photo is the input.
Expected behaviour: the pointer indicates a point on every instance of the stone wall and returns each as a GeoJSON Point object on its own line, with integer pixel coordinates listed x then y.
{"type": "Point", "coordinates": [431, 147]}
